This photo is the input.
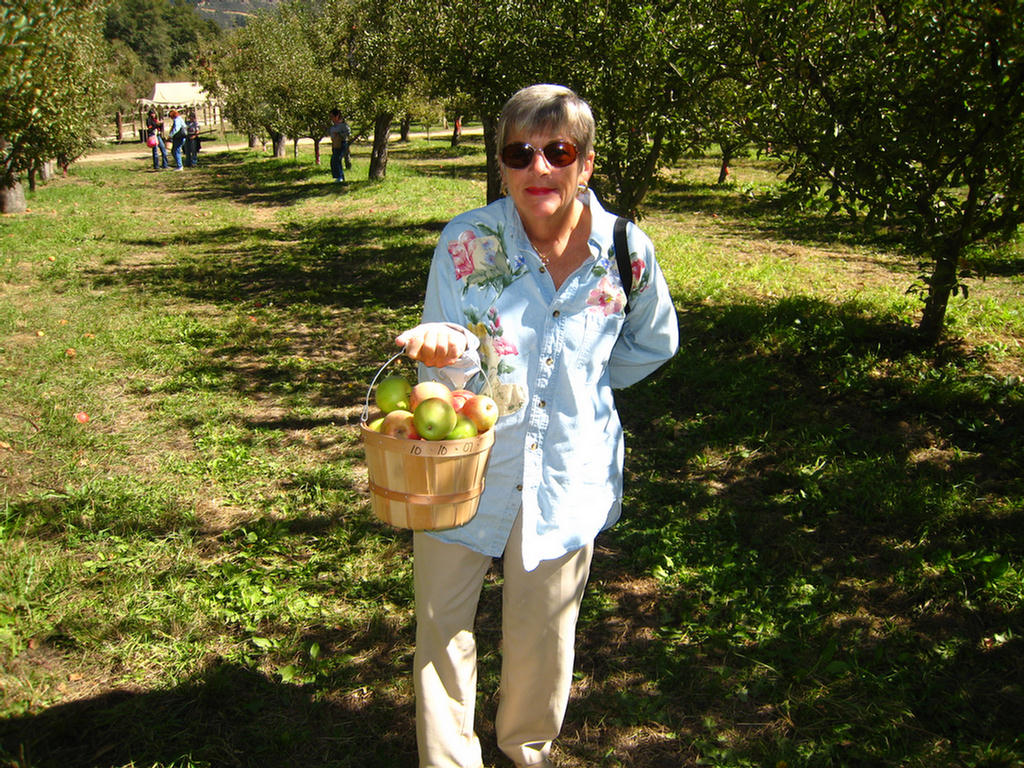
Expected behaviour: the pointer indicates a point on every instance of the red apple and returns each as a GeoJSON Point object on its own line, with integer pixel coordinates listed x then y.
{"type": "Point", "coordinates": [426, 390]}
{"type": "Point", "coordinates": [482, 411]}
{"type": "Point", "coordinates": [459, 398]}
{"type": "Point", "coordinates": [399, 424]}
{"type": "Point", "coordinates": [434, 418]}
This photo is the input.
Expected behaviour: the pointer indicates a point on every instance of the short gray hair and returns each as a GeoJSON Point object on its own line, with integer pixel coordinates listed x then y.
{"type": "Point", "coordinates": [548, 107]}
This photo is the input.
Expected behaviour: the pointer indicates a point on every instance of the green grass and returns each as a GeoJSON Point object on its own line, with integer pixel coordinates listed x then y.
{"type": "Point", "coordinates": [819, 562]}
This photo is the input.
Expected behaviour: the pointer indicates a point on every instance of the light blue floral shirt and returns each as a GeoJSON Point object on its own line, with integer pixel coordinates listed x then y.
{"type": "Point", "coordinates": [550, 358]}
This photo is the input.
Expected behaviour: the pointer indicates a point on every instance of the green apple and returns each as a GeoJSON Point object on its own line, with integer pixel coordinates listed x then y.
{"type": "Point", "coordinates": [482, 411]}
{"type": "Point", "coordinates": [399, 424]}
{"type": "Point", "coordinates": [464, 428]}
{"type": "Point", "coordinates": [434, 418]}
{"type": "Point", "coordinates": [426, 390]}
{"type": "Point", "coordinates": [393, 394]}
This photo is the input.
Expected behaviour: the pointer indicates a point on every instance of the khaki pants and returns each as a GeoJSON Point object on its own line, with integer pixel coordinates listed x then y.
{"type": "Point", "coordinates": [539, 612]}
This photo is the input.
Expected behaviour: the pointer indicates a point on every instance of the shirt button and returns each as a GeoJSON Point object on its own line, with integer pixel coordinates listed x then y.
{"type": "Point", "coordinates": [533, 446]}
{"type": "Point", "coordinates": [549, 361]}
{"type": "Point", "coordinates": [543, 404]}
{"type": "Point", "coordinates": [556, 313]}
{"type": "Point", "coordinates": [519, 487]}
{"type": "Point", "coordinates": [543, 270]}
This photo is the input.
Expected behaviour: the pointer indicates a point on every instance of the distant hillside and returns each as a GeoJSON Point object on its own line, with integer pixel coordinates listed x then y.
{"type": "Point", "coordinates": [231, 13]}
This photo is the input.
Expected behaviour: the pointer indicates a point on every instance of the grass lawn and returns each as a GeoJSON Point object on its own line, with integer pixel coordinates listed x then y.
{"type": "Point", "coordinates": [820, 557]}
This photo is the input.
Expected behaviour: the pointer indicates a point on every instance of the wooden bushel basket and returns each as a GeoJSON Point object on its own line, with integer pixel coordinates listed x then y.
{"type": "Point", "coordinates": [425, 485]}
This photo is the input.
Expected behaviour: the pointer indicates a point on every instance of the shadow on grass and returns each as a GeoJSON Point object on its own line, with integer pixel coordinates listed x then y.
{"type": "Point", "coordinates": [351, 263]}
{"type": "Point", "coordinates": [227, 715]}
{"type": "Point", "coordinates": [275, 182]}
{"type": "Point", "coordinates": [833, 528]}
{"type": "Point", "coordinates": [774, 214]}
{"type": "Point", "coordinates": [815, 565]}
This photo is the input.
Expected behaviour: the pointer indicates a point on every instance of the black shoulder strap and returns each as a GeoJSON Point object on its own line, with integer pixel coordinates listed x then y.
{"type": "Point", "coordinates": [622, 257]}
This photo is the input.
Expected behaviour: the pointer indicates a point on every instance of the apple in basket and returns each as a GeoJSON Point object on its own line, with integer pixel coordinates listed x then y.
{"type": "Point", "coordinates": [482, 411]}
{"type": "Point", "coordinates": [426, 390]}
{"type": "Point", "coordinates": [459, 398]}
{"type": "Point", "coordinates": [393, 394]}
{"type": "Point", "coordinates": [399, 423]}
{"type": "Point", "coordinates": [463, 429]}
{"type": "Point", "coordinates": [434, 418]}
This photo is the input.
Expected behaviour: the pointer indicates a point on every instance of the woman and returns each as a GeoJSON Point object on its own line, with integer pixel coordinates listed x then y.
{"type": "Point", "coordinates": [524, 302]}
{"type": "Point", "coordinates": [155, 127]}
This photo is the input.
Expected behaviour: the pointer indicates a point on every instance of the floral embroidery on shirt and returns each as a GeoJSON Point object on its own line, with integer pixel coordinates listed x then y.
{"type": "Point", "coordinates": [608, 297]}
{"type": "Point", "coordinates": [494, 349]}
{"type": "Point", "coordinates": [608, 264]}
{"type": "Point", "coordinates": [483, 261]}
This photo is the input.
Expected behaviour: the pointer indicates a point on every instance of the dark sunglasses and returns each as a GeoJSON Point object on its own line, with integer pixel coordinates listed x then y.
{"type": "Point", "coordinates": [519, 154]}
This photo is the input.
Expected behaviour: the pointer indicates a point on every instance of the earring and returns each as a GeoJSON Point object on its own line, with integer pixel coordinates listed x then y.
{"type": "Point", "coordinates": [581, 189]}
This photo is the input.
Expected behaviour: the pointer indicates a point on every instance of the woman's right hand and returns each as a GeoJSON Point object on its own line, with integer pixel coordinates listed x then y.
{"type": "Point", "coordinates": [433, 344]}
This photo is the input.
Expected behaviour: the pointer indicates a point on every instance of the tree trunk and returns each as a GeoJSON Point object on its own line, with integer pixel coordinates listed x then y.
{"type": "Point", "coordinates": [279, 141]}
{"type": "Point", "coordinates": [635, 185]}
{"type": "Point", "coordinates": [379, 153]}
{"type": "Point", "coordinates": [119, 121]}
{"type": "Point", "coordinates": [456, 135]}
{"type": "Point", "coordinates": [940, 286]}
{"type": "Point", "coordinates": [316, 151]}
{"type": "Point", "coordinates": [253, 141]}
{"type": "Point", "coordinates": [405, 128]}
{"type": "Point", "coordinates": [491, 148]}
{"type": "Point", "coordinates": [945, 276]}
{"type": "Point", "coordinates": [723, 171]}
{"type": "Point", "coordinates": [12, 198]}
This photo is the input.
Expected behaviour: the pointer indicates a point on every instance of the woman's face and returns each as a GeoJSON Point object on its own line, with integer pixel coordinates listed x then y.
{"type": "Point", "coordinates": [540, 190]}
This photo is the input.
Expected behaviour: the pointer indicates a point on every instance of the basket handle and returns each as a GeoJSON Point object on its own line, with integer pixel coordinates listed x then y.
{"type": "Point", "coordinates": [366, 403]}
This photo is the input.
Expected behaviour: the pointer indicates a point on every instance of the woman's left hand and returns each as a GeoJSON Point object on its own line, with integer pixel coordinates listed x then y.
{"type": "Point", "coordinates": [433, 344]}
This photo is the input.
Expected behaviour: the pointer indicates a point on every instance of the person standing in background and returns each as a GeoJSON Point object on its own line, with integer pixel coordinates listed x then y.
{"type": "Point", "coordinates": [340, 134]}
{"type": "Point", "coordinates": [192, 140]}
{"type": "Point", "coordinates": [155, 127]}
{"type": "Point", "coordinates": [178, 135]}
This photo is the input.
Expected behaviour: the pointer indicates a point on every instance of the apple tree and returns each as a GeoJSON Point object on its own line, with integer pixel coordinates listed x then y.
{"type": "Point", "coordinates": [51, 87]}
{"type": "Point", "coordinates": [909, 113]}
{"type": "Point", "coordinates": [646, 69]}
{"type": "Point", "coordinates": [480, 52]}
{"type": "Point", "coordinates": [370, 45]}
{"type": "Point", "coordinates": [642, 66]}
{"type": "Point", "coordinates": [256, 71]}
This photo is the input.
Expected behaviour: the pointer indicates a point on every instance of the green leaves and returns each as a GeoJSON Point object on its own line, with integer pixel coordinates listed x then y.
{"type": "Point", "coordinates": [914, 116]}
